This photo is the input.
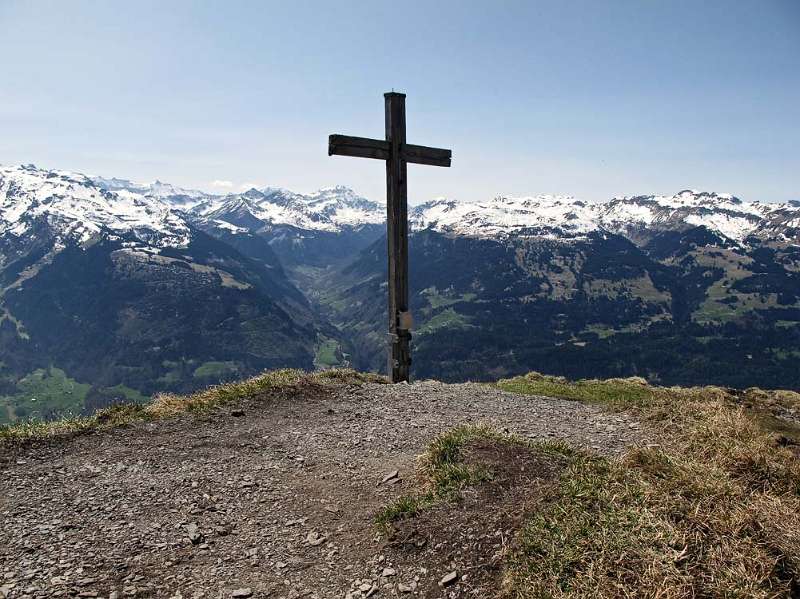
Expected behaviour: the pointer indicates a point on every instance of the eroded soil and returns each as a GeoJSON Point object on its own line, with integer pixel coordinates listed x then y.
{"type": "Point", "coordinates": [470, 537]}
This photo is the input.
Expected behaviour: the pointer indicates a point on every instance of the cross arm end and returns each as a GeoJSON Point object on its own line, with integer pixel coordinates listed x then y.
{"type": "Point", "coordinates": [360, 147]}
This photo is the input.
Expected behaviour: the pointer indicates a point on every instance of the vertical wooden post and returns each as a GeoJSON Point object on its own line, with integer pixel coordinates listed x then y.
{"type": "Point", "coordinates": [397, 237]}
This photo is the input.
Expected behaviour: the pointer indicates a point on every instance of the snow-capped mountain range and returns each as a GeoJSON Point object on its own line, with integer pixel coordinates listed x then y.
{"type": "Point", "coordinates": [547, 216]}
{"type": "Point", "coordinates": [76, 208]}
{"type": "Point", "coordinates": [80, 207]}
{"type": "Point", "coordinates": [564, 217]}
{"type": "Point", "coordinates": [331, 209]}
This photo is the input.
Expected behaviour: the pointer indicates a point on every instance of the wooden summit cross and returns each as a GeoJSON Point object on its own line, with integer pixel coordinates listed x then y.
{"type": "Point", "coordinates": [397, 154]}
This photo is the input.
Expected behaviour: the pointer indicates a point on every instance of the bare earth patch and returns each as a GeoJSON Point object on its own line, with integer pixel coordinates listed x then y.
{"type": "Point", "coordinates": [470, 536]}
{"type": "Point", "coordinates": [278, 495]}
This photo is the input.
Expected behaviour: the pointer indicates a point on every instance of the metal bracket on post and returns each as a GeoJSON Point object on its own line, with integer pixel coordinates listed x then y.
{"type": "Point", "coordinates": [405, 321]}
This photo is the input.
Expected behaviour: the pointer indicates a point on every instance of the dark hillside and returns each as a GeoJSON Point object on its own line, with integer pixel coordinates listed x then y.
{"type": "Point", "coordinates": [678, 311]}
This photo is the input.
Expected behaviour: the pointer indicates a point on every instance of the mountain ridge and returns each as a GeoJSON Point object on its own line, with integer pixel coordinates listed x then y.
{"type": "Point", "coordinates": [334, 209]}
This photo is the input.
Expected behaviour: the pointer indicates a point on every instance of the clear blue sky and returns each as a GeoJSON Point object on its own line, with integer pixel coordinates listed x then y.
{"type": "Point", "coordinates": [588, 98]}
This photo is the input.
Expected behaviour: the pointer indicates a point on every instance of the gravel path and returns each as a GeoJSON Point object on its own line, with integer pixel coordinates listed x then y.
{"type": "Point", "coordinates": [274, 497]}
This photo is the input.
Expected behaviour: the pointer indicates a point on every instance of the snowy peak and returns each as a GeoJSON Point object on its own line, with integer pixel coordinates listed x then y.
{"type": "Point", "coordinates": [242, 211]}
{"type": "Point", "coordinates": [342, 206]}
{"type": "Point", "coordinates": [75, 208]}
{"type": "Point", "coordinates": [331, 209]}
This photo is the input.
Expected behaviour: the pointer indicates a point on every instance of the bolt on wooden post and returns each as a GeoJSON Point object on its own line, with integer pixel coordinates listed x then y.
{"type": "Point", "coordinates": [397, 154]}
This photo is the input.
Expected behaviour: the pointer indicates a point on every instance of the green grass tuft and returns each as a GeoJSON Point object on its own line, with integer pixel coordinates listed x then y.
{"type": "Point", "coordinates": [445, 474]}
{"type": "Point", "coordinates": [110, 417]}
{"type": "Point", "coordinates": [618, 393]}
{"type": "Point", "coordinates": [405, 506]}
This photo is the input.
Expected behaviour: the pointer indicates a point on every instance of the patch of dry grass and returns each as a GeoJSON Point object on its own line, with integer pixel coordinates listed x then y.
{"type": "Point", "coordinates": [711, 509]}
{"type": "Point", "coordinates": [167, 405]}
{"type": "Point", "coordinates": [776, 410]}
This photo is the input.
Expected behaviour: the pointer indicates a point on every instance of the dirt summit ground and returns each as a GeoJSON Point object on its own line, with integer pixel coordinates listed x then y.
{"type": "Point", "coordinates": [277, 496]}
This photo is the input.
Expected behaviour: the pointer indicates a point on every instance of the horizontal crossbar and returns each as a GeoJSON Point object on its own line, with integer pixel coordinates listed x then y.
{"type": "Point", "coordinates": [426, 155]}
{"type": "Point", "coordinates": [364, 147]}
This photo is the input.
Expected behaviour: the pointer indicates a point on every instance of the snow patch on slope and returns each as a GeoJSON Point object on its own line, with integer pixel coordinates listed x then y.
{"type": "Point", "coordinates": [542, 216]}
